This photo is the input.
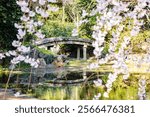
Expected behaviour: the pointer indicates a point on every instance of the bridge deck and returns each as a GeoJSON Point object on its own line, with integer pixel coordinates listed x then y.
{"type": "Point", "coordinates": [64, 40]}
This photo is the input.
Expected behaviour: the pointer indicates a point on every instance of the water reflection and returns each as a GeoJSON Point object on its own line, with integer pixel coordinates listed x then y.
{"type": "Point", "coordinates": [68, 92]}
{"type": "Point", "coordinates": [75, 85]}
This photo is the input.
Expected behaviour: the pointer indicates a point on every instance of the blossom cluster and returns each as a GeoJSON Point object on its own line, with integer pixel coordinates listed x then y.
{"type": "Point", "coordinates": [110, 21]}
{"type": "Point", "coordinates": [141, 89]}
{"type": "Point", "coordinates": [30, 24]}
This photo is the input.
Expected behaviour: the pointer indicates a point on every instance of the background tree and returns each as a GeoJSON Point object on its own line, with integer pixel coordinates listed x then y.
{"type": "Point", "coordinates": [9, 14]}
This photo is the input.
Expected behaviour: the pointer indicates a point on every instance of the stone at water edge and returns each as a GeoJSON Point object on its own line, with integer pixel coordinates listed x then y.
{"type": "Point", "coordinates": [42, 63]}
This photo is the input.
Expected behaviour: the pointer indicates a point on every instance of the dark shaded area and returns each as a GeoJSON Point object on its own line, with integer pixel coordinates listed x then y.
{"type": "Point", "coordinates": [9, 14]}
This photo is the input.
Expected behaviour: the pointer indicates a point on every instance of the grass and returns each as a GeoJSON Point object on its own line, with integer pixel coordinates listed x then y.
{"type": "Point", "coordinates": [76, 63]}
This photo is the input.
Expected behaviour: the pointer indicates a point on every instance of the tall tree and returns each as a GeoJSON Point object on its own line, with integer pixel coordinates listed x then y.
{"type": "Point", "coordinates": [9, 14]}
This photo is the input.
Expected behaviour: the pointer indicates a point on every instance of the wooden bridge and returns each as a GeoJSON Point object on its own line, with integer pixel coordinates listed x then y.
{"type": "Point", "coordinates": [54, 42]}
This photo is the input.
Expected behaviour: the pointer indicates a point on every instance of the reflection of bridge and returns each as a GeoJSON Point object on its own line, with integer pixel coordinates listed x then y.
{"type": "Point", "coordinates": [53, 42]}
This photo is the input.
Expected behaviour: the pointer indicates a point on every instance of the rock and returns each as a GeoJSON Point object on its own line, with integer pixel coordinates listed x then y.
{"type": "Point", "coordinates": [42, 63]}
{"type": "Point", "coordinates": [40, 71]}
{"type": "Point", "coordinates": [58, 63]}
{"type": "Point", "coordinates": [41, 55]}
{"type": "Point", "coordinates": [12, 66]}
{"type": "Point", "coordinates": [50, 66]}
{"type": "Point", "coordinates": [60, 60]}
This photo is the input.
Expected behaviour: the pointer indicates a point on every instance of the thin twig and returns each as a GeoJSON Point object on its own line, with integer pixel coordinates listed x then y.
{"type": "Point", "coordinates": [6, 87]}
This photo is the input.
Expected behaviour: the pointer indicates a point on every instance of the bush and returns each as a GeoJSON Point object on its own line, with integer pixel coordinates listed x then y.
{"type": "Point", "coordinates": [139, 40]}
{"type": "Point", "coordinates": [9, 14]}
{"type": "Point", "coordinates": [57, 29]}
{"type": "Point", "coordinates": [47, 55]}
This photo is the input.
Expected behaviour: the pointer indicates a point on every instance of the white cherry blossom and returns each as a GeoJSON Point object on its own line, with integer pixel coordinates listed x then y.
{"type": "Point", "coordinates": [106, 95]}
{"type": "Point", "coordinates": [53, 1]}
{"type": "Point", "coordinates": [42, 2]}
{"type": "Point", "coordinates": [34, 0]}
{"type": "Point", "coordinates": [25, 18]}
{"type": "Point", "coordinates": [39, 34]}
{"type": "Point", "coordinates": [96, 97]}
{"type": "Point", "coordinates": [25, 9]}
{"type": "Point", "coordinates": [23, 49]}
{"type": "Point", "coordinates": [31, 13]}
{"type": "Point", "coordinates": [52, 8]}
{"type": "Point", "coordinates": [44, 14]}
{"type": "Point", "coordinates": [16, 43]}
{"type": "Point", "coordinates": [13, 53]}
{"type": "Point", "coordinates": [2, 56]}
{"type": "Point", "coordinates": [84, 13]}
{"type": "Point", "coordinates": [21, 33]}
{"type": "Point", "coordinates": [98, 82]}
{"type": "Point", "coordinates": [22, 3]}
{"type": "Point", "coordinates": [74, 32]}
{"type": "Point", "coordinates": [18, 26]}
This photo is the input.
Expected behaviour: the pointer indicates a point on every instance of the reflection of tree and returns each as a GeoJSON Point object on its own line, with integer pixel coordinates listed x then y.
{"type": "Point", "coordinates": [87, 91]}
{"type": "Point", "coordinates": [68, 92]}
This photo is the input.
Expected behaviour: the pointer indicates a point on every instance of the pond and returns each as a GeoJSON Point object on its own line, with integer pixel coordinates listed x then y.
{"type": "Point", "coordinates": [75, 85]}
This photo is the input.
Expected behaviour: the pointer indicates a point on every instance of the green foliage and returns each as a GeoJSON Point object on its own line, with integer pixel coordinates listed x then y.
{"type": "Point", "coordinates": [49, 56]}
{"type": "Point", "coordinates": [123, 90]}
{"type": "Point", "coordinates": [87, 5]}
{"type": "Point", "coordinates": [87, 28]}
{"type": "Point", "coordinates": [104, 78]}
{"type": "Point", "coordinates": [57, 15]}
{"type": "Point", "coordinates": [57, 29]}
{"type": "Point", "coordinates": [22, 66]}
{"type": "Point", "coordinates": [9, 14]}
{"type": "Point", "coordinates": [42, 50]}
{"type": "Point", "coordinates": [137, 41]}
{"type": "Point", "coordinates": [1, 68]}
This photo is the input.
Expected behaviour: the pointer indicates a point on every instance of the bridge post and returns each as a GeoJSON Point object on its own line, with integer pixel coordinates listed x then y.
{"type": "Point", "coordinates": [78, 53]}
{"type": "Point", "coordinates": [84, 75]}
{"type": "Point", "coordinates": [85, 52]}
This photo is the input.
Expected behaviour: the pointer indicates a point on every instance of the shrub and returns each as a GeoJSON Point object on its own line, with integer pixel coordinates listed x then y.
{"type": "Point", "coordinates": [57, 29]}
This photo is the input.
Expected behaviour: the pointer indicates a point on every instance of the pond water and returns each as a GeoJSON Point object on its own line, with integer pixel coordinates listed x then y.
{"type": "Point", "coordinates": [75, 85]}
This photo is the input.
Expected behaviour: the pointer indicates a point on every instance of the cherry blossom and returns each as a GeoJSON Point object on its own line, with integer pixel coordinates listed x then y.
{"type": "Point", "coordinates": [21, 33]}
{"type": "Point", "coordinates": [52, 8]}
{"type": "Point", "coordinates": [16, 43]}
{"type": "Point", "coordinates": [141, 89]}
{"type": "Point", "coordinates": [34, 0]}
{"type": "Point", "coordinates": [25, 9]}
{"type": "Point", "coordinates": [23, 49]}
{"type": "Point", "coordinates": [22, 3]}
{"type": "Point", "coordinates": [53, 1]}
{"type": "Point", "coordinates": [96, 97]}
{"type": "Point", "coordinates": [74, 32]}
{"type": "Point", "coordinates": [106, 95]}
{"type": "Point", "coordinates": [39, 34]}
{"type": "Point", "coordinates": [2, 56]}
{"type": "Point", "coordinates": [98, 82]}
{"type": "Point", "coordinates": [29, 24]}
{"type": "Point", "coordinates": [84, 13]}
{"type": "Point", "coordinates": [110, 21]}
{"type": "Point", "coordinates": [42, 2]}
{"type": "Point", "coordinates": [31, 13]}
{"type": "Point", "coordinates": [25, 18]}
{"type": "Point", "coordinates": [18, 26]}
